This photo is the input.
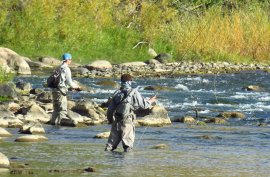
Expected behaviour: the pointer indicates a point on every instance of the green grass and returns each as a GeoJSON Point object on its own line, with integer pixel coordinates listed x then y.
{"type": "Point", "coordinates": [5, 76]}
{"type": "Point", "coordinates": [199, 30]}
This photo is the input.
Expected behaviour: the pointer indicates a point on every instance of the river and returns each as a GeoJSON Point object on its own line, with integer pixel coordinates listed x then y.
{"type": "Point", "coordinates": [238, 148]}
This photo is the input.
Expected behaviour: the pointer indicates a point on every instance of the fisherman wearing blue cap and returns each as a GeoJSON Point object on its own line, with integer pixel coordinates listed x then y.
{"type": "Point", "coordinates": [60, 93]}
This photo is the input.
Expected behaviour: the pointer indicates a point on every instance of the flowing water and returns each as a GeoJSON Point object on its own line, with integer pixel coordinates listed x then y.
{"type": "Point", "coordinates": [239, 148]}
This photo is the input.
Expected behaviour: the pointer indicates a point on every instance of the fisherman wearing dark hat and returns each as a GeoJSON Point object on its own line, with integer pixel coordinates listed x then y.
{"type": "Point", "coordinates": [121, 114]}
{"type": "Point", "coordinates": [60, 93]}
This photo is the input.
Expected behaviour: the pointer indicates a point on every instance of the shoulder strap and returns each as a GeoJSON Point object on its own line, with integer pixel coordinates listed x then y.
{"type": "Point", "coordinates": [128, 94]}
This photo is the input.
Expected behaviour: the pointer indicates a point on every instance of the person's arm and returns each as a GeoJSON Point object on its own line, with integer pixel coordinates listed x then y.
{"type": "Point", "coordinates": [140, 102]}
{"type": "Point", "coordinates": [69, 79]}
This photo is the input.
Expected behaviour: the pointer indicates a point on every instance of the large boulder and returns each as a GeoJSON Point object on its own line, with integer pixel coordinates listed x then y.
{"type": "Point", "coordinates": [35, 65]}
{"type": "Point", "coordinates": [32, 128]}
{"type": "Point", "coordinates": [99, 64]}
{"type": "Point", "coordinates": [50, 61]}
{"type": "Point", "coordinates": [45, 97]}
{"type": "Point", "coordinates": [8, 90]}
{"type": "Point", "coordinates": [158, 116]}
{"type": "Point", "coordinates": [4, 66]}
{"type": "Point", "coordinates": [73, 120]}
{"type": "Point", "coordinates": [15, 61]}
{"type": "Point", "coordinates": [11, 122]}
{"type": "Point", "coordinates": [35, 113]}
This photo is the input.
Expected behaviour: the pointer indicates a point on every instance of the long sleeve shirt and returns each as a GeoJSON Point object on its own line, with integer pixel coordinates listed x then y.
{"type": "Point", "coordinates": [136, 102]}
{"type": "Point", "coordinates": [66, 79]}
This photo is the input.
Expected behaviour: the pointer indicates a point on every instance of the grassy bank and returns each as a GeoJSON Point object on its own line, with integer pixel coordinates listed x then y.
{"type": "Point", "coordinates": [204, 30]}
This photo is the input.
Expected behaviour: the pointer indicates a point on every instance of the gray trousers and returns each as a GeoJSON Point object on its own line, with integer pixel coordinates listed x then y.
{"type": "Point", "coordinates": [59, 107]}
{"type": "Point", "coordinates": [121, 131]}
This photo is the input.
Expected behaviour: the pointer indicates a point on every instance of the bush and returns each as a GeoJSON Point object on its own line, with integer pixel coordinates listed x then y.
{"type": "Point", "coordinates": [93, 29]}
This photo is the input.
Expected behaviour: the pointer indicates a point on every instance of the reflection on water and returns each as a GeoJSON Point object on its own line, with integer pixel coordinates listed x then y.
{"type": "Point", "coordinates": [240, 148]}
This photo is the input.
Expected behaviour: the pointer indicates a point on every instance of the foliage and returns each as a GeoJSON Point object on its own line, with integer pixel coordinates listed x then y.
{"type": "Point", "coordinates": [203, 30]}
{"type": "Point", "coordinates": [5, 76]}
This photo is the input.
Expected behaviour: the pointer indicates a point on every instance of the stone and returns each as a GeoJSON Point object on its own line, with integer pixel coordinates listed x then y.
{"type": "Point", "coordinates": [13, 107]}
{"type": "Point", "coordinates": [4, 162]}
{"type": "Point", "coordinates": [45, 97]}
{"type": "Point", "coordinates": [83, 87]}
{"type": "Point", "coordinates": [187, 119]}
{"type": "Point", "coordinates": [159, 88]}
{"type": "Point", "coordinates": [99, 64]}
{"type": "Point", "coordinates": [15, 61]}
{"type": "Point", "coordinates": [102, 135]}
{"type": "Point", "coordinates": [32, 128]}
{"type": "Point", "coordinates": [216, 121]}
{"type": "Point", "coordinates": [8, 90]}
{"type": "Point", "coordinates": [31, 138]}
{"type": "Point", "coordinates": [35, 113]}
{"type": "Point", "coordinates": [73, 120]}
{"type": "Point", "coordinates": [24, 85]}
{"type": "Point", "coordinates": [136, 63]}
{"type": "Point", "coordinates": [4, 133]}
{"type": "Point", "coordinates": [108, 83]}
{"type": "Point", "coordinates": [4, 66]}
{"type": "Point", "coordinates": [11, 122]}
{"type": "Point", "coordinates": [50, 61]}
{"type": "Point", "coordinates": [160, 146]}
{"type": "Point", "coordinates": [254, 88]}
{"type": "Point", "coordinates": [228, 115]}
{"type": "Point", "coordinates": [157, 117]}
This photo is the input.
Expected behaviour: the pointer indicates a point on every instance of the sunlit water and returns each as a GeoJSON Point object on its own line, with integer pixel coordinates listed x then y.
{"type": "Point", "coordinates": [240, 148]}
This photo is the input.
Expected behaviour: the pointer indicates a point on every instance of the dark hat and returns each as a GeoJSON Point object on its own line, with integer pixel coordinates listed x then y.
{"type": "Point", "coordinates": [126, 77]}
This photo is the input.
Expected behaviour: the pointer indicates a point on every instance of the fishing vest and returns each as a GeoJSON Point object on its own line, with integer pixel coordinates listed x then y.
{"type": "Point", "coordinates": [124, 105]}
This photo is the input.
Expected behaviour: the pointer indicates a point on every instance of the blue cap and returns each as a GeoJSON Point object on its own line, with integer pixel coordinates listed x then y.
{"type": "Point", "coordinates": [67, 56]}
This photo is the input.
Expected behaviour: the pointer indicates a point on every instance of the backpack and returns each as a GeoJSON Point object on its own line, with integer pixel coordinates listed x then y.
{"type": "Point", "coordinates": [54, 79]}
{"type": "Point", "coordinates": [124, 107]}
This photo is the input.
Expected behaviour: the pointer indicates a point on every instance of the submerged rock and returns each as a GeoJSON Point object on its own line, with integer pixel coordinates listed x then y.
{"type": "Point", "coordinates": [228, 115]}
{"type": "Point", "coordinates": [255, 88]}
{"type": "Point", "coordinates": [159, 88]}
{"type": "Point", "coordinates": [85, 170]}
{"type": "Point", "coordinates": [108, 83]}
{"type": "Point", "coordinates": [186, 119]}
{"type": "Point", "coordinates": [210, 137]}
{"type": "Point", "coordinates": [102, 135]}
{"type": "Point", "coordinates": [216, 121]}
{"type": "Point", "coordinates": [31, 138]}
{"type": "Point", "coordinates": [160, 146]}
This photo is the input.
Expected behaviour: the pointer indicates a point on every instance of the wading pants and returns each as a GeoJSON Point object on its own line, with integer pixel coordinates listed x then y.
{"type": "Point", "coordinates": [59, 107]}
{"type": "Point", "coordinates": [121, 131]}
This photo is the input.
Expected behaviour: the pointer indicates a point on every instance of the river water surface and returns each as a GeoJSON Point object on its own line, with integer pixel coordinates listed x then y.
{"type": "Point", "coordinates": [239, 148]}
